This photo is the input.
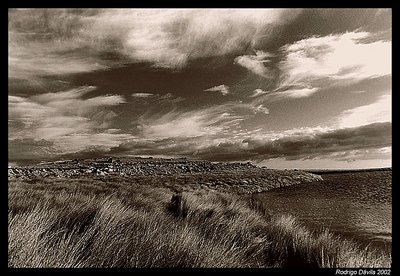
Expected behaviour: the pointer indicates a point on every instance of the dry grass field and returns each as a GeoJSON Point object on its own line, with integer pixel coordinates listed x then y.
{"type": "Point", "coordinates": [100, 223]}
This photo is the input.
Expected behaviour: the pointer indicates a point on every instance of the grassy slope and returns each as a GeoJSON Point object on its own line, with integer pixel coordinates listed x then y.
{"type": "Point", "coordinates": [78, 223]}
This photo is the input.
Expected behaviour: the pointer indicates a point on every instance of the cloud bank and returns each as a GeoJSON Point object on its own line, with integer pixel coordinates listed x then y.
{"type": "Point", "coordinates": [95, 39]}
{"type": "Point", "coordinates": [347, 144]}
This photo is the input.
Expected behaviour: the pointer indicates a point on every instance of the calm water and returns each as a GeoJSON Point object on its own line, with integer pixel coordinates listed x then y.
{"type": "Point", "coordinates": [355, 205]}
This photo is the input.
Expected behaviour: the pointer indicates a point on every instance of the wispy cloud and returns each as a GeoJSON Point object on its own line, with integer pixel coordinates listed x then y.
{"type": "Point", "coordinates": [70, 102]}
{"type": "Point", "coordinates": [142, 95]}
{"type": "Point", "coordinates": [28, 61]}
{"type": "Point", "coordinates": [207, 121]}
{"type": "Point", "coordinates": [223, 89]}
{"type": "Point", "coordinates": [255, 63]}
{"type": "Point", "coordinates": [379, 111]}
{"type": "Point", "coordinates": [318, 61]}
{"type": "Point", "coordinates": [65, 119]}
{"type": "Point", "coordinates": [169, 38]}
{"type": "Point", "coordinates": [258, 92]}
{"type": "Point", "coordinates": [261, 109]}
{"type": "Point", "coordinates": [42, 39]}
{"type": "Point", "coordinates": [292, 93]}
{"type": "Point", "coordinates": [312, 64]}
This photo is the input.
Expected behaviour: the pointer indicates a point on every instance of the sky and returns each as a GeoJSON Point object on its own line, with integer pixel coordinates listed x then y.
{"type": "Point", "coordinates": [282, 88]}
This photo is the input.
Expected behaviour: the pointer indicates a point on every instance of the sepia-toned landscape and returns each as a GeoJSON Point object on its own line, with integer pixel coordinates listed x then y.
{"type": "Point", "coordinates": [168, 213]}
{"type": "Point", "coordinates": [199, 138]}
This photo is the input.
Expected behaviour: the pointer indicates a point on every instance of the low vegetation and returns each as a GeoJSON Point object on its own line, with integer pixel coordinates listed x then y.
{"type": "Point", "coordinates": [86, 223]}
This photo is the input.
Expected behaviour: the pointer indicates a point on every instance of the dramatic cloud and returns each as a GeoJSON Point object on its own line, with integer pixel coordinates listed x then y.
{"type": "Point", "coordinates": [169, 38]}
{"type": "Point", "coordinates": [223, 89]}
{"type": "Point", "coordinates": [360, 143]}
{"type": "Point", "coordinates": [303, 147]}
{"type": "Point", "coordinates": [82, 40]}
{"type": "Point", "coordinates": [309, 65]}
{"type": "Point", "coordinates": [220, 84]}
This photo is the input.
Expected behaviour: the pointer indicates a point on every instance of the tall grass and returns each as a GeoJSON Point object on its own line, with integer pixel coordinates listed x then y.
{"type": "Point", "coordinates": [86, 224]}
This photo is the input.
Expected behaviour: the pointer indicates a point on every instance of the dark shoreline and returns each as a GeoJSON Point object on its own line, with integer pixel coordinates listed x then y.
{"type": "Point", "coordinates": [334, 171]}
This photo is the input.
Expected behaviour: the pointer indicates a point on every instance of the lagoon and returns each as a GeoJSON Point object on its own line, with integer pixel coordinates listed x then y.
{"type": "Point", "coordinates": [356, 205]}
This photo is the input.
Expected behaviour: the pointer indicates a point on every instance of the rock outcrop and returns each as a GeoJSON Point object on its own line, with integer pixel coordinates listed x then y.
{"type": "Point", "coordinates": [178, 174]}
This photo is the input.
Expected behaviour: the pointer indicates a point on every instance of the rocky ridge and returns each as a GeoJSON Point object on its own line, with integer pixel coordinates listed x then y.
{"type": "Point", "coordinates": [177, 174]}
